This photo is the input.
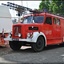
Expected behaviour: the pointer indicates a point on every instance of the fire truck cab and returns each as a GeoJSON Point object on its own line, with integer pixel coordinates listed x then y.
{"type": "Point", "coordinates": [37, 30]}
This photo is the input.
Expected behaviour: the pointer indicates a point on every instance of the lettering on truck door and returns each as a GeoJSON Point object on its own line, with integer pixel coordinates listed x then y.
{"type": "Point", "coordinates": [57, 30]}
{"type": "Point", "coordinates": [48, 29]}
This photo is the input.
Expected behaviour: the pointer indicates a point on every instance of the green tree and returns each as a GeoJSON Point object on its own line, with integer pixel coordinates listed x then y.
{"type": "Point", "coordinates": [61, 10]}
{"type": "Point", "coordinates": [44, 5]}
{"type": "Point", "coordinates": [54, 6]}
{"type": "Point", "coordinates": [59, 6]}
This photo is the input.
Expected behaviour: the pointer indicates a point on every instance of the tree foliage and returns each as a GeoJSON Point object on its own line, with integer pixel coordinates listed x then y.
{"type": "Point", "coordinates": [53, 6]}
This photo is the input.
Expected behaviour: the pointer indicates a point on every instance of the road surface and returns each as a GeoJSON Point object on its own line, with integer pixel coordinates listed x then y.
{"type": "Point", "coordinates": [50, 54]}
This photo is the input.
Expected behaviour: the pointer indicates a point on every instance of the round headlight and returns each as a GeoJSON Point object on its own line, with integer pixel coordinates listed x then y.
{"type": "Point", "coordinates": [19, 35]}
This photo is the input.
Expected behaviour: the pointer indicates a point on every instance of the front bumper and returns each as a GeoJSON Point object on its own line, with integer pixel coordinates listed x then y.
{"type": "Point", "coordinates": [25, 40]}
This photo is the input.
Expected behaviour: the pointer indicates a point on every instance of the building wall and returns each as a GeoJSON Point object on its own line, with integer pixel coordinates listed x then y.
{"type": "Point", "coordinates": [5, 19]}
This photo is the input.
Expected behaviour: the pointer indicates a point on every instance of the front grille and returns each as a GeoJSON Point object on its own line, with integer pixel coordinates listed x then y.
{"type": "Point", "coordinates": [17, 30]}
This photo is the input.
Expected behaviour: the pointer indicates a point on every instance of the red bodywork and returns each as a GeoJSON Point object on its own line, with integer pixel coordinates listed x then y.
{"type": "Point", "coordinates": [54, 33]}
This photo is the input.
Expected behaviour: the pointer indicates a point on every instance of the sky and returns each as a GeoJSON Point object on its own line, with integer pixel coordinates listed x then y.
{"type": "Point", "coordinates": [29, 4]}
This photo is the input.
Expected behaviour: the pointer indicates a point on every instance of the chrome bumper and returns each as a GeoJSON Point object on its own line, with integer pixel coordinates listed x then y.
{"type": "Point", "coordinates": [26, 40]}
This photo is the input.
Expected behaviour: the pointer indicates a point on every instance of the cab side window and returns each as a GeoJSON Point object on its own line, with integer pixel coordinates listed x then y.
{"type": "Point", "coordinates": [48, 20]}
{"type": "Point", "coordinates": [56, 21]}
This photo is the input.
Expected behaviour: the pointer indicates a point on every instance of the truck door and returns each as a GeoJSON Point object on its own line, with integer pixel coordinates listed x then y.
{"type": "Point", "coordinates": [57, 29]}
{"type": "Point", "coordinates": [48, 29]}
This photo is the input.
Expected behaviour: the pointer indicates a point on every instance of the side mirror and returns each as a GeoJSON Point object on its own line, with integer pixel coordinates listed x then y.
{"type": "Point", "coordinates": [14, 21]}
{"type": "Point", "coordinates": [18, 14]}
{"type": "Point", "coordinates": [33, 21]}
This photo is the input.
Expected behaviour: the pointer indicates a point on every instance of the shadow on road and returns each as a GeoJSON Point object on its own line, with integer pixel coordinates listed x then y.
{"type": "Point", "coordinates": [50, 47]}
{"type": "Point", "coordinates": [25, 54]}
{"type": "Point", "coordinates": [30, 50]}
{"type": "Point", "coordinates": [6, 50]}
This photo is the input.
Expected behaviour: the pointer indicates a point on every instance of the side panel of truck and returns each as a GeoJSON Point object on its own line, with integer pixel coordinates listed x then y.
{"type": "Point", "coordinates": [62, 29]}
{"type": "Point", "coordinates": [54, 31]}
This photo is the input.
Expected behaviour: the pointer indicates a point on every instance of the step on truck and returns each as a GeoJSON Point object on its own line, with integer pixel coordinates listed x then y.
{"type": "Point", "coordinates": [37, 29]}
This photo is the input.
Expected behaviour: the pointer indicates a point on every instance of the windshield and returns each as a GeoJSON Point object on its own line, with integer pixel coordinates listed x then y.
{"type": "Point", "coordinates": [28, 19]}
{"type": "Point", "coordinates": [38, 19]}
{"type": "Point", "coordinates": [33, 19]}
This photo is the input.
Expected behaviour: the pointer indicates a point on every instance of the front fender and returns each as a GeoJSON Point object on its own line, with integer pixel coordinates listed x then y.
{"type": "Point", "coordinates": [36, 35]}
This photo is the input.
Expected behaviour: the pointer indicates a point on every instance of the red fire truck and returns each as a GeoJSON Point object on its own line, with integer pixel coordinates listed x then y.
{"type": "Point", "coordinates": [37, 30]}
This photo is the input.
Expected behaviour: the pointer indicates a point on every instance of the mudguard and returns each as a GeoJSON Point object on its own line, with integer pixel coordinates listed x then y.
{"type": "Point", "coordinates": [36, 35]}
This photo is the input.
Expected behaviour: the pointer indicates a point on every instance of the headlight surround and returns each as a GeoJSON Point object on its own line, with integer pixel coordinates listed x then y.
{"type": "Point", "coordinates": [29, 35]}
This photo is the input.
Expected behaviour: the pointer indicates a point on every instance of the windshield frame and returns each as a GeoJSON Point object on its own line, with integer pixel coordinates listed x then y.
{"type": "Point", "coordinates": [32, 19]}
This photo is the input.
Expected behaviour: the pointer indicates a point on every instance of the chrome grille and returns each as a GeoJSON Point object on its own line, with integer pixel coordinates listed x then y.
{"type": "Point", "coordinates": [16, 31]}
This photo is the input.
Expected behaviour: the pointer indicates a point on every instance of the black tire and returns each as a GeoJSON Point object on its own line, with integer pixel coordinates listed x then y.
{"type": "Point", "coordinates": [15, 45]}
{"type": "Point", "coordinates": [39, 45]}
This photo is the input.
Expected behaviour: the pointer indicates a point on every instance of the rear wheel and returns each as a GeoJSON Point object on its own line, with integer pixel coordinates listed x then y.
{"type": "Point", "coordinates": [39, 45]}
{"type": "Point", "coordinates": [15, 45]}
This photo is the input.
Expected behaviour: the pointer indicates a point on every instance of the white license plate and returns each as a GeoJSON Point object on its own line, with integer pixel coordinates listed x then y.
{"type": "Point", "coordinates": [15, 39]}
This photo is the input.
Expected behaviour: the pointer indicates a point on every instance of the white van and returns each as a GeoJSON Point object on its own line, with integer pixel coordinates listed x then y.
{"type": "Point", "coordinates": [5, 23]}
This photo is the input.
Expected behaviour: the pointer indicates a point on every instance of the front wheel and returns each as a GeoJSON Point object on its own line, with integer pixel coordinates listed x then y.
{"type": "Point", "coordinates": [39, 45]}
{"type": "Point", "coordinates": [15, 45]}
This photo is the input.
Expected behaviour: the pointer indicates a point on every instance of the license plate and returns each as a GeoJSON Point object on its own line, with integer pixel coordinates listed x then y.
{"type": "Point", "coordinates": [15, 39]}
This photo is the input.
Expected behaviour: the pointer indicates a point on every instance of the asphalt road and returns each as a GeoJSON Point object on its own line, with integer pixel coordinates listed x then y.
{"type": "Point", "coordinates": [50, 54]}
